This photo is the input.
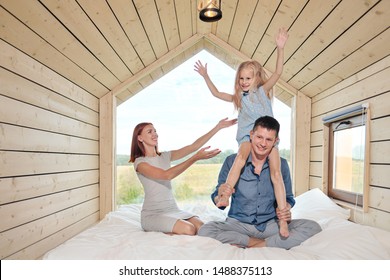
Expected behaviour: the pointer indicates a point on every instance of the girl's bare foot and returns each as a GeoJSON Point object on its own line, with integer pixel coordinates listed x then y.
{"type": "Point", "coordinates": [283, 229]}
{"type": "Point", "coordinates": [223, 201]}
{"type": "Point", "coordinates": [224, 198]}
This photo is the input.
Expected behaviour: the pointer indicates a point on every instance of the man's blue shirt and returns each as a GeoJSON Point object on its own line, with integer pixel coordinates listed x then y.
{"type": "Point", "coordinates": [253, 201]}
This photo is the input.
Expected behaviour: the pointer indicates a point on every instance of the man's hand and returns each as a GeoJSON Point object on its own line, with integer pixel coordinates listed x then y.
{"type": "Point", "coordinates": [284, 214]}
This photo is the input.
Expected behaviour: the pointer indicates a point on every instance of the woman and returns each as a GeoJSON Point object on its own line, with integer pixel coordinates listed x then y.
{"type": "Point", "coordinates": [159, 210]}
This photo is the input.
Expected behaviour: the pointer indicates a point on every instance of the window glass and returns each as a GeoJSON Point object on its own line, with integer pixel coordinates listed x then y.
{"type": "Point", "coordinates": [348, 158]}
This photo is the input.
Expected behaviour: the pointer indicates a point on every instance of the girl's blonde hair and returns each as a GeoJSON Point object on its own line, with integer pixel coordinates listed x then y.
{"type": "Point", "coordinates": [259, 76]}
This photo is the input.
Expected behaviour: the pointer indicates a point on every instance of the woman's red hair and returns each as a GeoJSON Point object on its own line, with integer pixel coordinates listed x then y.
{"type": "Point", "coordinates": [137, 148]}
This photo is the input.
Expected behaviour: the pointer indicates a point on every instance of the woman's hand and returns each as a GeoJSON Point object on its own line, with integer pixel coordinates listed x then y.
{"type": "Point", "coordinates": [226, 123]}
{"type": "Point", "coordinates": [204, 153]}
{"type": "Point", "coordinates": [180, 153]}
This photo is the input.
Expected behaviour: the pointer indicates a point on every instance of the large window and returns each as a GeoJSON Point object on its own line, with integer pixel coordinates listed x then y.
{"type": "Point", "coordinates": [348, 155]}
{"type": "Point", "coordinates": [181, 108]}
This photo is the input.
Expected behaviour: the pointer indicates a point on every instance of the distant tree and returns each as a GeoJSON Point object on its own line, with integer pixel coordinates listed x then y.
{"type": "Point", "coordinates": [220, 158]}
{"type": "Point", "coordinates": [285, 154]}
{"type": "Point", "coordinates": [122, 160]}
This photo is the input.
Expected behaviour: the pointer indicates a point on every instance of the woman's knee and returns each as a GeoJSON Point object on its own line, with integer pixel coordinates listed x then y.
{"type": "Point", "coordinates": [184, 227]}
{"type": "Point", "coordinates": [196, 222]}
{"type": "Point", "coordinates": [190, 229]}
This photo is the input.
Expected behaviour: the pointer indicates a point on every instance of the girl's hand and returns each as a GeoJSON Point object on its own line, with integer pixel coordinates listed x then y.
{"type": "Point", "coordinates": [226, 123]}
{"type": "Point", "coordinates": [281, 38]}
{"type": "Point", "coordinates": [202, 70]}
{"type": "Point", "coordinates": [205, 154]}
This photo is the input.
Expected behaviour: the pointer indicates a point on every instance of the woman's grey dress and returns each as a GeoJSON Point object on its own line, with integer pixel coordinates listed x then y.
{"type": "Point", "coordinates": [159, 211]}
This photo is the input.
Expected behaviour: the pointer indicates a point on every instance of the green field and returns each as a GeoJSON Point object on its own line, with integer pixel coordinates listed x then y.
{"type": "Point", "coordinates": [196, 183]}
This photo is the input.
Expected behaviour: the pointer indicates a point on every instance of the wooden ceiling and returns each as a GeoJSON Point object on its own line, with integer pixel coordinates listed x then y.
{"type": "Point", "coordinates": [122, 46]}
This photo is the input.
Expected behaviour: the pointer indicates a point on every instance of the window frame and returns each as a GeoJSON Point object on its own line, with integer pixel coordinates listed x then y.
{"type": "Point", "coordinates": [358, 116]}
{"type": "Point", "coordinates": [347, 196]}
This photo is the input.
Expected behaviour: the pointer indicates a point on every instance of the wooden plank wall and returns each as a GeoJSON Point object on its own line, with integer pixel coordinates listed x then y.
{"type": "Point", "coordinates": [371, 85]}
{"type": "Point", "coordinates": [49, 157]}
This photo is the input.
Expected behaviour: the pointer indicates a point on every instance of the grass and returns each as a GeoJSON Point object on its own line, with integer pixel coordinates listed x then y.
{"type": "Point", "coordinates": [196, 183]}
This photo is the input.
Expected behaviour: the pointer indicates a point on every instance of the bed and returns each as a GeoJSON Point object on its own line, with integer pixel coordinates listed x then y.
{"type": "Point", "coordinates": [119, 236]}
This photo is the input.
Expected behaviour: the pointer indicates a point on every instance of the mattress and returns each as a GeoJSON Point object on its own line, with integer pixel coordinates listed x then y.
{"type": "Point", "coordinates": [119, 236]}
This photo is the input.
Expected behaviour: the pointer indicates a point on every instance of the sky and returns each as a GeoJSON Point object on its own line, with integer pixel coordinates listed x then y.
{"type": "Point", "coordinates": [182, 108]}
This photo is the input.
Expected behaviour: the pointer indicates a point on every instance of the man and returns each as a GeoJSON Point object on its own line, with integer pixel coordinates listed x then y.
{"type": "Point", "coordinates": [252, 218]}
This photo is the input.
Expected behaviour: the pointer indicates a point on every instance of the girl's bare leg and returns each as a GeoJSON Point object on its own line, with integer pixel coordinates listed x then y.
{"type": "Point", "coordinates": [279, 188]}
{"type": "Point", "coordinates": [235, 170]}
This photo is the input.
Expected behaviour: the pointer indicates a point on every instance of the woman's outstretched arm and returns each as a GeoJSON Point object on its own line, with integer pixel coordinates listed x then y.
{"type": "Point", "coordinates": [180, 153]}
{"type": "Point", "coordinates": [157, 173]}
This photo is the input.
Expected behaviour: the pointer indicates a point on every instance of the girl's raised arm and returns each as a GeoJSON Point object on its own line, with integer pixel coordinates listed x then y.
{"type": "Point", "coordinates": [281, 40]}
{"type": "Point", "coordinates": [202, 70]}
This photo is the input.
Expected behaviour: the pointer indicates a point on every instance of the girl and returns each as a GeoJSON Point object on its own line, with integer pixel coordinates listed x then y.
{"type": "Point", "coordinates": [159, 210]}
{"type": "Point", "coordinates": [252, 98]}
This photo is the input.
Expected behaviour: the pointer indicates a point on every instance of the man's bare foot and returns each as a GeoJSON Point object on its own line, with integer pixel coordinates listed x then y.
{"type": "Point", "coordinates": [256, 242]}
{"type": "Point", "coordinates": [238, 246]}
{"type": "Point", "coordinates": [283, 229]}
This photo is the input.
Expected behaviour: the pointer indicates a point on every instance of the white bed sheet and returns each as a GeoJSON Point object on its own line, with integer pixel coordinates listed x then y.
{"type": "Point", "coordinates": [120, 236]}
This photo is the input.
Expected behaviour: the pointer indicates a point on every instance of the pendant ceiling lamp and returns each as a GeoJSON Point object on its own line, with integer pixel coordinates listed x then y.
{"type": "Point", "coordinates": [209, 10]}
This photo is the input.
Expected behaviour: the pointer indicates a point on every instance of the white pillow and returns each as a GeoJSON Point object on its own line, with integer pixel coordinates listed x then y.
{"type": "Point", "coordinates": [315, 205]}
